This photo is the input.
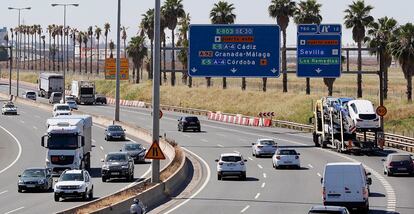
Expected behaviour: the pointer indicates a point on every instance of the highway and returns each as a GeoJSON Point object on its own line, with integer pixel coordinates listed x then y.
{"type": "Point", "coordinates": [266, 190]}
{"type": "Point", "coordinates": [25, 130]}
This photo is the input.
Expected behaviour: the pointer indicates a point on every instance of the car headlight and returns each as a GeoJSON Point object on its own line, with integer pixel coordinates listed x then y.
{"type": "Point", "coordinates": [41, 181]}
{"type": "Point", "coordinates": [109, 134]}
{"type": "Point", "coordinates": [105, 167]}
{"type": "Point", "coordinates": [124, 167]}
{"type": "Point", "coordinates": [21, 182]}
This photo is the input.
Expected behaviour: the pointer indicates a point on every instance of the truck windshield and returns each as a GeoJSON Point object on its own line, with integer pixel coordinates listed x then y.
{"type": "Point", "coordinates": [63, 141]}
{"type": "Point", "coordinates": [86, 90]}
{"type": "Point", "coordinates": [63, 108]}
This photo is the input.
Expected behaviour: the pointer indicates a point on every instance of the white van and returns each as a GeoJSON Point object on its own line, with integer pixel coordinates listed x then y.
{"type": "Point", "coordinates": [346, 184]}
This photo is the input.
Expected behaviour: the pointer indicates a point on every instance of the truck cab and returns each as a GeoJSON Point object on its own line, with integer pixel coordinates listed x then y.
{"type": "Point", "coordinates": [68, 142]}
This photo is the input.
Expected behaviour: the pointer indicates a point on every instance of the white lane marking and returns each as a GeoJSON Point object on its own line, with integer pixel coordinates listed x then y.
{"type": "Point", "coordinates": [250, 158]}
{"type": "Point", "coordinates": [236, 151]}
{"type": "Point", "coordinates": [34, 127]}
{"type": "Point", "coordinates": [310, 166]}
{"type": "Point", "coordinates": [186, 135]}
{"type": "Point", "coordinates": [22, 121]}
{"type": "Point", "coordinates": [3, 192]}
{"type": "Point", "coordinates": [18, 154]}
{"type": "Point", "coordinates": [244, 209]}
{"type": "Point", "coordinates": [243, 140]}
{"type": "Point", "coordinates": [101, 148]}
{"type": "Point", "coordinates": [257, 196]}
{"type": "Point", "coordinates": [264, 175]}
{"type": "Point", "coordinates": [93, 141]}
{"type": "Point", "coordinates": [260, 166]}
{"type": "Point", "coordinates": [319, 174]}
{"type": "Point", "coordinates": [23, 112]}
{"type": "Point", "coordinates": [37, 116]}
{"type": "Point", "coordinates": [221, 135]}
{"type": "Point", "coordinates": [263, 185]}
{"type": "Point", "coordinates": [219, 145]}
{"type": "Point", "coordinates": [14, 210]}
{"type": "Point", "coordinates": [204, 140]}
{"type": "Point", "coordinates": [202, 186]}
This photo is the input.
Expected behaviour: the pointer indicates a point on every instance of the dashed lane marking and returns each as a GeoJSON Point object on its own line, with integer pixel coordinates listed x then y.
{"type": "Point", "coordinates": [250, 158]}
{"type": "Point", "coordinates": [257, 196]}
{"type": "Point", "coordinates": [310, 166]}
{"type": "Point", "coordinates": [319, 174]}
{"type": "Point", "coordinates": [264, 175]}
{"type": "Point", "coordinates": [22, 121]}
{"type": "Point", "coordinates": [37, 116]}
{"type": "Point", "coordinates": [260, 166]}
{"type": "Point", "coordinates": [219, 145]}
{"type": "Point", "coordinates": [11, 211]}
{"type": "Point", "coordinates": [102, 148]}
{"type": "Point", "coordinates": [34, 127]}
{"type": "Point", "coordinates": [245, 208]}
{"type": "Point", "coordinates": [263, 185]}
{"type": "Point", "coordinates": [204, 140]}
{"type": "Point", "coordinates": [3, 192]}
{"type": "Point", "coordinates": [93, 141]}
{"type": "Point", "coordinates": [186, 135]}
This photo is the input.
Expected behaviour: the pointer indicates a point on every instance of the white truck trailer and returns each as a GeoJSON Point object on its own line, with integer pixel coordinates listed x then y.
{"type": "Point", "coordinates": [83, 91]}
{"type": "Point", "coordinates": [49, 83]}
{"type": "Point", "coordinates": [68, 142]}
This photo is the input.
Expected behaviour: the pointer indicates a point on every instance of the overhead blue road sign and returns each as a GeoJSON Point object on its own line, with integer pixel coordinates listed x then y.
{"type": "Point", "coordinates": [234, 51]}
{"type": "Point", "coordinates": [319, 51]}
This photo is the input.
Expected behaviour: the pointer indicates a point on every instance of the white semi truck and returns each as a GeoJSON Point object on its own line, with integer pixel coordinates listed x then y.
{"type": "Point", "coordinates": [49, 83]}
{"type": "Point", "coordinates": [68, 142]}
{"type": "Point", "coordinates": [83, 91]}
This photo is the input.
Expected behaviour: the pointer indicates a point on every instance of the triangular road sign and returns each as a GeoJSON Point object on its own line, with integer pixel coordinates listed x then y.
{"type": "Point", "coordinates": [154, 152]}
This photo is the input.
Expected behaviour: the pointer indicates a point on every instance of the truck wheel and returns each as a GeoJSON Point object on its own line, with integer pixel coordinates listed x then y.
{"type": "Point", "coordinates": [91, 195]}
{"type": "Point", "coordinates": [56, 197]}
{"type": "Point", "coordinates": [243, 176]}
{"type": "Point", "coordinates": [19, 189]}
{"type": "Point", "coordinates": [218, 176]}
{"type": "Point", "coordinates": [103, 179]}
{"type": "Point", "coordinates": [316, 139]}
{"type": "Point", "coordinates": [85, 195]}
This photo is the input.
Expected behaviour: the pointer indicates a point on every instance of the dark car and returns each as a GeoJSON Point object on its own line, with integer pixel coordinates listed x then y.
{"type": "Point", "coordinates": [398, 163]}
{"type": "Point", "coordinates": [30, 95]}
{"type": "Point", "coordinates": [114, 132]}
{"type": "Point", "coordinates": [117, 165]}
{"type": "Point", "coordinates": [328, 210]}
{"type": "Point", "coordinates": [100, 99]}
{"type": "Point", "coordinates": [186, 123]}
{"type": "Point", "coordinates": [136, 151]}
{"type": "Point", "coordinates": [35, 178]}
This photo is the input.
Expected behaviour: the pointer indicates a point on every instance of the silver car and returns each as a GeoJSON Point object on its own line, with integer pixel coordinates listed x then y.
{"type": "Point", "coordinates": [9, 108]}
{"type": "Point", "coordinates": [72, 104]}
{"type": "Point", "coordinates": [264, 147]}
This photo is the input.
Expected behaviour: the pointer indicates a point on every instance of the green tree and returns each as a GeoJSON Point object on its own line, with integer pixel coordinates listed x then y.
{"type": "Point", "coordinates": [6, 39]}
{"type": "Point", "coordinates": [147, 28]}
{"type": "Point", "coordinates": [73, 33]}
{"type": "Point", "coordinates": [85, 42]}
{"type": "Point", "coordinates": [111, 48]}
{"type": "Point", "coordinates": [90, 34]}
{"type": "Point", "coordinates": [173, 9]}
{"type": "Point", "coordinates": [401, 47]}
{"type": "Point", "coordinates": [357, 17]}
{"type": "Point", "coordinates": [98, 33]}
{"type": "Point", "coordinates": [79, 38]}
{"type": "Point", "coordinates": [137, 51]}
{"type": "Point", "coordinates": [379, 35]}
{"type": "Point", "coordinates": [107, 29]}
{"type": "Point", "coordinates": [183, 42]}
{"type": "Point", "coordinates": [308, 12]}
{"type": "Point", "coordinates": [223, 13]}
{"type": "Point", "coordinates": [282, 10]}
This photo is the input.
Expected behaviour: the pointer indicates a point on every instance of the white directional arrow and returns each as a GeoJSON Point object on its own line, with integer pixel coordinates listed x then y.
{"type": "Point", "coordinates": [194, 70]}
{"type": "Point", "coordinates": [233, 70]}
{"type": "Point", "coordinates": [318, 70]}
{"type": "Point", "coordinates": [273, 70]}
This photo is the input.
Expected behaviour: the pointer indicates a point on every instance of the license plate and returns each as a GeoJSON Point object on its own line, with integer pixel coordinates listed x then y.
{"type": "Point", "coordinates": [117, 136]}
{"type": "Point", "coordinates": [30, 186]}
{"type": "Point", "coordinates": [114, 173]}
{"type": "Point", "coordinates": [288, 162]}
{"type": "Point", "coordinates": [402, 168]}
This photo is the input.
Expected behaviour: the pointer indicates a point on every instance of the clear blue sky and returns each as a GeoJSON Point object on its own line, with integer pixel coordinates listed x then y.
{"type": "Point", "coordinates": [97, 12]}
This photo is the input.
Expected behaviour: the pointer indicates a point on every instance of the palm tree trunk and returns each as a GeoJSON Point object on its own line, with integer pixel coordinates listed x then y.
{"type": "Point", "coordinates": [359, 76]}
{"type": "Point", "coordinates": [133, 73]}
{"type": "Point", "coordinates": [24, 51]}
{"type": "Point", "coordinates": [224, 83]}
{"type": "Point", "coordinates": [138, 76]}
{"type": "Point", "coordinates": [91, 55]}
{"type": "Point", "coordinates": [80, 57]}
{"type": "Point", "coordinates": [150, 72]}
{"type": "Point", "coordinates": [86, 58]}
{"type": "Point", "coordinates": [67, 52]}
{"type": "Point", "coordinates": [32, 53]}
{"type": "Point", "coordinates": [97, 60]}
{"type": "Point", "coordinates": [190, 82]}
{"type": "Point", "coordinates": [74, 55]}
{"type": "Point", "coordinates": [264, 84]}
{"type": "Point", "coordinates": [409, 88]}
{"type": "Point", "coordinates": [50, 42]}
{"type": "Point", "coordinates": [243, 85]}
{"type": "Point", "coordinates": [58, 53]}
{"type": "Point", "coordinates": [172, 59]}
{"type": "Point", "coordinates": [307, 86]}
{"type": "Point", "coordinates": [164, 61]}
{"type": "Point", "coordinates": [125, 52]}
{"type": "Point", "coordinates": [385, 82]}
{"type": "Point", "coordinates": [284, 67]}
{"type": "Point", "coordinates": [208, 82]}
{"type": "Point", "coordinates": [35, 51]}
{"type": "Point", "coordinates": [44, 55]}
{"type": "Point", "coordinates": [54, 54]}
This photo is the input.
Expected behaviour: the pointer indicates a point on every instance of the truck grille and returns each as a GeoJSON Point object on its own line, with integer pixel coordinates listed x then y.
{"type": "Point", "coordinates": [62, 159]}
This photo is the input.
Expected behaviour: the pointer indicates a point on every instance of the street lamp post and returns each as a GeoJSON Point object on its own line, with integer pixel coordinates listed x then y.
{"type": "Point", "coordinates": [63, 49]}
{"type": "Point", "coordinates": [19, 45]}
{"type": "Point", "coordinates": [118, 63]}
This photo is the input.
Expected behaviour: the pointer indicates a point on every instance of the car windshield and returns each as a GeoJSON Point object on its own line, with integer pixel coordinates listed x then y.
{"type": "Point", "coordinates": [115, 128]}
{"type": "Point", "coordinates": [63, 108]}
{"type": "Point", "coordinates": [71, 177]}
{"type": "Point", "coordinates": [33, 173]}
{"type": "Point", "coordinates": [9, 106]}
{"type": "Point", "coordinates": [31, 93]}
{"type": "Point", "coordinates": [231, 158]}
{"type": "Point", "coordinates": [267, 143]}
{"type": "Point", "coordinates": [286, 152]}
{"type": "Point", "coordinates": [191, 119]}
{"type": "Point", "coordinates": [57, 95]}
{"type": "Point", "coordinates": [325, 212]}
{"type": "Point", "coordinates": [70, 102]}
{"type": "Point", "coordinates": [132, 147]}
{"type": "Point", "coordinates": [115, 158]}
{"type": "Point", "coordinates": [400, 158]}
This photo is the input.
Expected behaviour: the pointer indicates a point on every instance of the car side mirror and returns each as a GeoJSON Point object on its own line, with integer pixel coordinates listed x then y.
{"type": "Point", "coordinates": [382, 159]}
{"type": "Point", "coordinates": [369, 181]}
{"type": "Point", "coordinates": [106, 129]}
{"type": "Point", "coordinates": [42, 143]}
{"type": "Point", "coordinates": [120, 150]}
{"type": "Point", "coordinates": [56, 180]}
{"type": "Point", "coordinates": [245, 160]}
{"type": "Point", "coordinates": [19, 176]}
{"type": "Point", "coordinates": [321, 180]}
{"type": "Point", "coordinates": [252, 144]}
{"type": "Point", "coordinates": [368, 173]}
{"type": "Point", "coordinates": [217, 160]}
{"type": "Point", "coordinates": [102, 160]}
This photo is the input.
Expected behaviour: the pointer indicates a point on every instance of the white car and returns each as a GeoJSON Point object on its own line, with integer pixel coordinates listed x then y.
{"type": "Point", "coordinates": [231, 164]}
{"type": "Point", "coordinates": [61, 109]}
{"type": "Point", "coordinates": [74, 183]}
{"type": "Point", "coordinates": [264, 147]}
{"type": "Point", "coordinates": [287, 158]}
{"type": "Point", "coordinates": [9, 108]}
{"type": "Point", "coordinates": [72, 104]}
{"type": "Point", "coordinates": [363, 114]}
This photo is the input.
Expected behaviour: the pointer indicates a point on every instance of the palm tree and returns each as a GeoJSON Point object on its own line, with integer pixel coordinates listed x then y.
{"type": "Point", "coordinates": [137, 50]}
{"type": "Point", "coordinates": [50, 30]}
{"type": "Point", "coordinates": [79, 38]}
{"type": "Point", "coordinates": [357, 17]}
{"type": "Point", "coordinates": [308, 12]}
{"type": "Point", "coordinates": [67, 32]}
{"type": "Point", "coordinates": [222, 13]}
{"type": "Point", "coordinates": [183, 42]}
{"type": "Point", "coordinates": [173, 9]}
{"type": "Point", "coordinates": [73, 36]}
{"type": "Point", "coordinates": [12, 38]}
{"type": "Point", "coordinates": [147, 27]}
{"type": "Point", "coordinates": [379, 35]}
{"type": "Point", "coordinates": [54, 33]}
{"type": "Point", "coordinates": [90, 33]}
{"type": "Point", "coordinates": [85, 42]}
{"type": "Point", "coordinates": [98, 32]}
{"type": "Point", "coordinates": [43, 37]}
{"type": "Point", "coordinates": [107, 29]}
{"type": "Point", "coordinates": [6, 39]}
{"type": "Point", "coordinates": [402, 48]}
{"type": "Point", "coordinates": [39, 33]}
{"type": "Point", "coordinates": [282, 10]}
{"type": "Point", "coordinates": [111, 48]}
{"type": "Point", "coordinates": [24, 32]}
{"type": "Point", "coordinates": [124, 37]}
{"type": "Point", "coordinates": [59, 34]}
